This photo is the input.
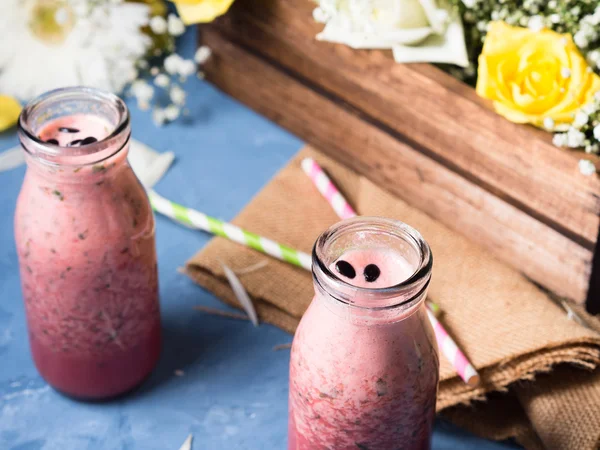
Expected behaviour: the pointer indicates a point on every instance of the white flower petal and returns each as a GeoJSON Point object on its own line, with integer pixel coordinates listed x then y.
{"type": "Point", "coordinates": [449, 49]}
{"type": "Point", "coordinates": [148, 164]}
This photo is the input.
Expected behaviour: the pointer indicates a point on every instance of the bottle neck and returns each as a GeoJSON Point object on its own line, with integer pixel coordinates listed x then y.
{"type": "Point", "coordinates": [69, 152]}
{"type": "Point", "coordinates": [373, 239]}
{"type": "Point", "coordinates": [93, 173]}
{"type": "Point", "coordinates": [400, 309]}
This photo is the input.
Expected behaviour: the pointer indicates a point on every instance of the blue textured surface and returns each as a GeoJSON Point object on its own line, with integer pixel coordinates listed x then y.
{"type": "Point", "coordinates": [233, 394]}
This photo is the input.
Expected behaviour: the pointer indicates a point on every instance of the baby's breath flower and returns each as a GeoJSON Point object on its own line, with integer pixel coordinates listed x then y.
{"type": "Point", "coordinates": [581, 39]}
{"type": "Point", "coordinates": [158, 25]}
{"type": "Point", "coordinates": [175, 25]}
{"type": "Point", "coordinates": [177, 95]}
{"type": "Point", "coordinates": [172, 112]}
{"type": "Point", "coordinates": [560, 139]}
{"type": "Point", "coordinates": [590, 108]}
{"type": "Point", "coordinates": [536, 23]}
{"type": "Point", "coordinates": [565, 72]}
{"type": "Point", "coordinates": [172, 63]}
{"type": "Point", "coordinates": [158, 116]}
{"type": "Point", "coordinates": [581, 118]}
{"type": "Point", "coordinates": [187, 67]}
{"type": "Point", "coordinates": [143, 92]}
{"type": "Point", "coordinates": [320, 15]}
{"type": "Point", "coordinates": [587, 167]}
{"type": "Point", "coordinates": [154, 71]}
{"type": "Point", "coordinates": [162, 80]}
{"type": "Point", "coordinates": [597, 132]}
{"type": "Point", "coordinates": [575, 138]}
{"type": "Point", "coordinates": [202, 54]}
{"type": "Point", "coordinates": [549, 123]}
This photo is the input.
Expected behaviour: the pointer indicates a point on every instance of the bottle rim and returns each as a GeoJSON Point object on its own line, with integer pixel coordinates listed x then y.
{"type": "Point", "coordinates": [405, 293]}
{"type": "Point", "coordinates": [89, 154]}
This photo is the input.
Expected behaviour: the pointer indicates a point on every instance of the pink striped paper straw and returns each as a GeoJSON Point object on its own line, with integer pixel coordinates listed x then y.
{"type": "Point", "coordinates": [451, 351]}
{"type": "Point", "coordinates": [327, 188]}
{"type": "Point", "coordinates": [343, 209]}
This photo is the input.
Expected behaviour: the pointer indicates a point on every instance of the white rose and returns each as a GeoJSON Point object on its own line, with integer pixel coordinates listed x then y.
{"type": "Point", "coordinates": [416, 30]}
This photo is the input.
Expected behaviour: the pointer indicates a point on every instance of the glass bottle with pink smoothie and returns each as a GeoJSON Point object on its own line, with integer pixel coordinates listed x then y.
{"type": "Point", "coordinates": [364, 366]}
{"type": "Point", "coordinates": [84, 233]}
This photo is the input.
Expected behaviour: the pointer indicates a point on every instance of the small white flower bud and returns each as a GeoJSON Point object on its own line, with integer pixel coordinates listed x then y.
{"type": "Point", "coordinates": [158, 25]}
{"type": "Point", "coordinates": [587, 167]}
{"type": "Point", "coordinates": [175, 25]}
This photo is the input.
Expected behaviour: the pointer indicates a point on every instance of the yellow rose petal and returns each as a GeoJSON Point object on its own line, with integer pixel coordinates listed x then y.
{"type": "Point", "coordinates": [9, 112]}
{"type": "Point", "coordinates": [201, 11]}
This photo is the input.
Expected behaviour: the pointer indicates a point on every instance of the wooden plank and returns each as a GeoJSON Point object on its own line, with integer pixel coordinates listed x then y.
{"type": "Point", "coordinates": [431, 111]}
{"type": "Point", "coordinates": [542, 253]}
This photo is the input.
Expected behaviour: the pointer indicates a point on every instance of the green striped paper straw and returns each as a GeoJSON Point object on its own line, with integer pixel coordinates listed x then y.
{"type": "Point", "coordinates": [195, 219]}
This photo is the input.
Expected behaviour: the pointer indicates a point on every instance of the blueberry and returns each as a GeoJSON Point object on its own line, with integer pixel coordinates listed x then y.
{"type": "Point", "coordinates": [68, 130]}
{"type": "Point", "coordinates": [75, 142]}
{"type": "Point", "coordinates": [371, 273]}
{"type": "Point", "coordinates": [88, 140]}
{"type": "Point", "coordinates": [345, 269]}
{"type": "Point", "coordinates": [52, 141]}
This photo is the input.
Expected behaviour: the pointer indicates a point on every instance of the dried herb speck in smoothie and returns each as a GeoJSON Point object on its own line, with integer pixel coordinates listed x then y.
{"type": "Point", "coordinates": [98, 168]}
{"type": "Point", "coordinates": [58, 194]}
{"type": "Point", "coordinates": [83, 235]}
{"type": "Point", "coordinates": [381, 387]}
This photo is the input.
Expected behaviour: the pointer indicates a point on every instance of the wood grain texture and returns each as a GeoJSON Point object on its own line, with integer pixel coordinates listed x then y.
{"type": "Point", "coordinates": [543, 254]}
{"type": "Point", "coordinates": [432, 112]}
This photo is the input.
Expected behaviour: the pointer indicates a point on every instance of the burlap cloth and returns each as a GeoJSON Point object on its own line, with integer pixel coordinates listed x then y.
{"type": "Point", "coordinates": [508, 327]}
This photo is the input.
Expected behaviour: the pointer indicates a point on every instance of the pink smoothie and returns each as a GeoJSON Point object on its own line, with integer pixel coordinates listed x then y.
{"type": "Point", "coordinates": [361, 379]}
{"type": "Point", "coordinates": [85, 239]}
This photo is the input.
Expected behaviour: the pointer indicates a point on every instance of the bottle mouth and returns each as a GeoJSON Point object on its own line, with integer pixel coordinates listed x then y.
{"type": "Point", "coordinates": [71, 101]}
{"type": "Point", "coordinates": [363, 233]}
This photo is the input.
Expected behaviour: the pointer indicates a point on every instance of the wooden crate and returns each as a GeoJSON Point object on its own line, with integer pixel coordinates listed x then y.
{"type": "Point", "coordinates": [420, 134]}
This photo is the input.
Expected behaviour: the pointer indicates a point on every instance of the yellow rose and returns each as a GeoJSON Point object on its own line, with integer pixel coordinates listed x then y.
{"type": "Point", "coordinates": [531, 75]}
{"type": "Point", "coordinates": [9, 112]}
{"type": "Point", "coordinates": [201, 11]}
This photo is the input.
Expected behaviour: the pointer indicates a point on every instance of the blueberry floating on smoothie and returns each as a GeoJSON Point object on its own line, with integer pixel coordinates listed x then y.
{"type": "Point", "coordinates": [68, 130]}
{"type": "Point", "coordinates": [371, 273]}
{"type": "Point", "coordinates": [345, 268]}
{"type": "Point", "coordinates": [75, 142]}
{"type": "Point", "coordinates": [52, 141]}
{"type": "Point", "coordinates": [88, 140]}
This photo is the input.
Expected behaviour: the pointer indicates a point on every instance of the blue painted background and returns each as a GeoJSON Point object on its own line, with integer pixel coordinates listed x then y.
{"type": "Point", "coordinates": [233, 394]}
